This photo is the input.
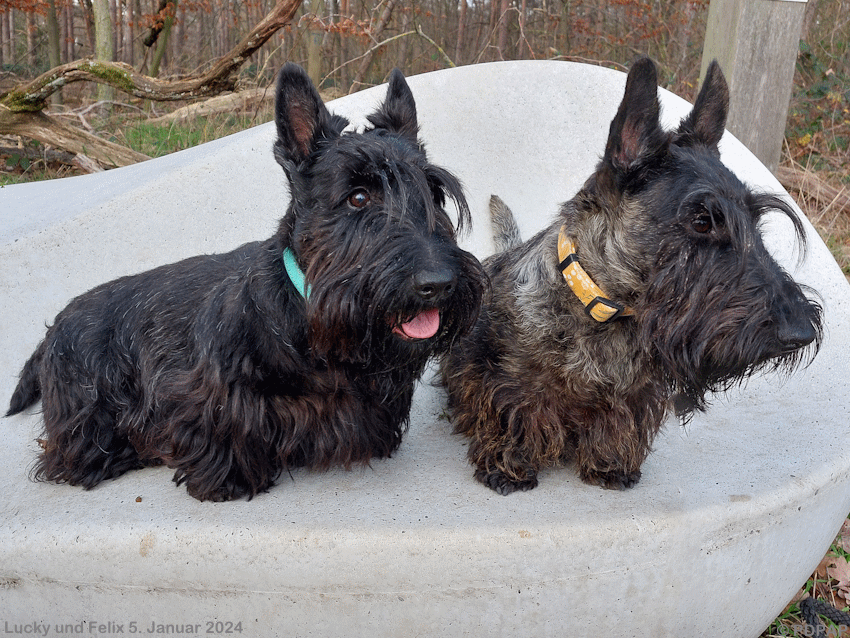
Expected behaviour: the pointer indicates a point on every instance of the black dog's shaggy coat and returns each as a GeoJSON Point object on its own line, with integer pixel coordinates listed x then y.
{"type": "Point", "coordinates": [217, 366]}
{"type": "Point", "coordinates": [665, 230]}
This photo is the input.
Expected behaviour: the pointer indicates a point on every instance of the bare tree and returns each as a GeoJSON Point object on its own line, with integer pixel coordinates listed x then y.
{"type": "Point", "coordinates": [375, 35]}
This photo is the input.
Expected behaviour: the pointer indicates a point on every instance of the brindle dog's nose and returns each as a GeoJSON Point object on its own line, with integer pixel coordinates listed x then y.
{"type": "Point", "coordinates": [797, 334]}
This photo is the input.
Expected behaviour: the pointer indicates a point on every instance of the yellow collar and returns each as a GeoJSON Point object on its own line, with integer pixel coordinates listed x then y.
{"type": "Point", "coordinates": [596, 304]}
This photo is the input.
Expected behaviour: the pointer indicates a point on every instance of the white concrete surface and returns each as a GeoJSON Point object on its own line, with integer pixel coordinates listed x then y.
{"type": "Point", "coordinates": [730, 518]}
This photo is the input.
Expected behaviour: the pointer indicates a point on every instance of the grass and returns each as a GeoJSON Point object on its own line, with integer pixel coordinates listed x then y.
{"type": "Point", "coordinates": [156, 139]}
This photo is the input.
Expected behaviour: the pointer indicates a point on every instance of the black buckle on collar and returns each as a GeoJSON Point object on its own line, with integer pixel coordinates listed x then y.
{"type": "Point", "coordinates": [569, 259]}
{"type": "Point", "coordinates": [613, 305]}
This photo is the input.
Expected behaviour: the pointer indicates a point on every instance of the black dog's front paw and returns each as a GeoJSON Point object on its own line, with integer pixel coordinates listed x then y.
{"type": "Point", "coordinates": [613, 480]}
{"type": "Point", "coordinates": [230, 490]}
{"type": "Point", "coordinates": [500, 483]}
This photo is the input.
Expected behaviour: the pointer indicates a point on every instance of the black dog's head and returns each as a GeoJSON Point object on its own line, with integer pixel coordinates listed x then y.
{"type": "Point", "coordinates": [685, 248]}
{"type": "Point", "coordinates": [368, 226]}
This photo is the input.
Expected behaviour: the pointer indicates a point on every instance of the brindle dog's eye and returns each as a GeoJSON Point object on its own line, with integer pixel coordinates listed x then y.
{"type": "Point", "coordinates": [702, 221]}
{"type": "Point", "coordinates": [359, 198]}
{"type": "Point", "coordinates": [702, 224]}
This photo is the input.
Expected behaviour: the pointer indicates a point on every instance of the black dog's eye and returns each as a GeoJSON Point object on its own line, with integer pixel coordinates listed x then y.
{"type": "Point", "coordinates": [359, 198]}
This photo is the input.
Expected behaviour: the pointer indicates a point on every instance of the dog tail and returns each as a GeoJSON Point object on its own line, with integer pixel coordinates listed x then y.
{"type": "Point", "coordinates": [505, 231]}
{"type": "Point", "coordinates": [29, 387]}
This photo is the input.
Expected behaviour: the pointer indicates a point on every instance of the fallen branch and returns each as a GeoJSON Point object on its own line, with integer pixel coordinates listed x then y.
{"type": "Point", "coordinates": [240, 101]}
{"type": "Point", "coordinates": [50, 155]}
{"type": "Point", "coordinates": [58, 134]}
{"type": "Point", "coordinates": [44, 154]}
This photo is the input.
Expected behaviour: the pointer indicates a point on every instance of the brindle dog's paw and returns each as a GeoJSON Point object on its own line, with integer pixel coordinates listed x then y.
{"type": "Point", "coordinates": [500, 483]}
{"type": "Point", "coordinates": [613, 480]}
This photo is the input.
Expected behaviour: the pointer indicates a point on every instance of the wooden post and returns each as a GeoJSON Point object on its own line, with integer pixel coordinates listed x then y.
{"type": "Point", "coordinates": [756, 44]}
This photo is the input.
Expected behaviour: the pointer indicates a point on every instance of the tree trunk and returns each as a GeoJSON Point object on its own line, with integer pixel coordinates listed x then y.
{"type": "Point", "coordinates": [10, 38]}
{"type": "Point", "coordinates": [403, 46]}
{"type": "Point", "coordinates": [58, 134]}
{"type": "Point", "coordinates": [502, 42]}
{"type": "Point", "coordinates": [7, 32]}
{"type": "Point", "coordinates": [138, 48]}
{"type": "Point", "coordinates": [314, 42]}
{"type": "Point", "coordinates": [130, 35]}
{"type": "Point", "coordinates": [566, 17]}
{"type": "Point", "coordinates": [494, 24]}
{"type": "Point", "coordinates": [344, 44]}
{"type": "Point", "coordinates": [809, 18]}
{"type": "Point", "coordinates": [522, 39]}
{"type": "Point", "coordinates": [69, 37]}
{"type": "Point", "coordinates": [3, 55]}
{"type": "Point", "coordinates": [118, 28]}
{"type": "Point", "coordinates": [178, 36]}
{"type": "Point", "coordinates": [162, 39]}
{"type": "Point", "coordinates": [223, 37]}
{"type": "Point", "coordinates": [461, 31]}
{"type": "Point", "coordinates": [103, 43]}
{"type": "Point", "coordinates": [156, 28]}
{"type": "Point", "coordinates": [88, 14]}
{"type": "Point", "coordinates": [31, 29]}
{"type": "Point", "coordinates": [375, 35]}
{"type": "Point", "coordinates": [53, 52]}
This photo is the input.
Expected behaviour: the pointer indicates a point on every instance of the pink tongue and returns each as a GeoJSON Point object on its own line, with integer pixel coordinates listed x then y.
{"type": "Point", "coordinates": [422, 326]}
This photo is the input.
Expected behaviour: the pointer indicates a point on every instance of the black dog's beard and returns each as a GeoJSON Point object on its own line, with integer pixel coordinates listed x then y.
{"type": "Point", "coordinates": [359, 316]}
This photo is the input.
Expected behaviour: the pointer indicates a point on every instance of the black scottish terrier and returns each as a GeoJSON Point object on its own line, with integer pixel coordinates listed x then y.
{"type": "Point", "coordinates": [301, 350]}
{"type": "Point", "coordinates": [651, 288]}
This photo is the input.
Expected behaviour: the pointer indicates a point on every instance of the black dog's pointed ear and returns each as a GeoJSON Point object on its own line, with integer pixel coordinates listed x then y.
{"type": "Point", "coordinates": [300, 115]}
{"type": "Point", "coordinates": [636, 132]}
{"type": "Point", "coordinates": [707, 120]}
{"type": "Point", "coordinates": [398, 112]}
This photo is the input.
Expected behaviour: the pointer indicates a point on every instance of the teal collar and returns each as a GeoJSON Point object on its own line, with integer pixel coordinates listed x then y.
{"type": "Point", "coordinates": [296, 275]}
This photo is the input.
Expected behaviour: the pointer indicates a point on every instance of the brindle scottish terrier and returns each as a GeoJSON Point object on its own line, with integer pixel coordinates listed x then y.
{"type": "Point", "coordinates": [555, 369]}
{"type": "Point", "coordinates": [300, 350]}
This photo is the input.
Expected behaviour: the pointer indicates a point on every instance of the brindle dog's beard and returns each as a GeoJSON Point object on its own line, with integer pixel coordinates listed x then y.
{"type": "Point", "coordinates": [710, 336]}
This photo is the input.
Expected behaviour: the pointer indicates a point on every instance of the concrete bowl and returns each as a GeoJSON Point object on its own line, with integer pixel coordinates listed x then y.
{"type": "Point", "coordinates": [731, 516]}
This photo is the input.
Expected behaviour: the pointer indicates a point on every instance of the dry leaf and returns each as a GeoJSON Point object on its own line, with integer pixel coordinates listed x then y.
{"type": "Point", "coordinates": [839, 569]}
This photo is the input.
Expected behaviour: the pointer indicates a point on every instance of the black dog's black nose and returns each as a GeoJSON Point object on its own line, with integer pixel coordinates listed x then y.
{"type": "Point", "coordinates": [434, 285]}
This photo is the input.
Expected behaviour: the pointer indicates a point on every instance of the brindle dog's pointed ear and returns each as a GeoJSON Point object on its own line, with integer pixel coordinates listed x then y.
{"type": "Point", "coordinates": [301, 117]}
{"type": "Point", "coordinates": [398, 112]}
{"type": "Point", "coordinates": [636, 134]}
{"type": "Point", "coordinates": [706, 121]}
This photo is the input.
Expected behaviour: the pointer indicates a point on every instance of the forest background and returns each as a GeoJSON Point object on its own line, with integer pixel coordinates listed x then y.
{"type": "Point", "coordinates": [347, 45]}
